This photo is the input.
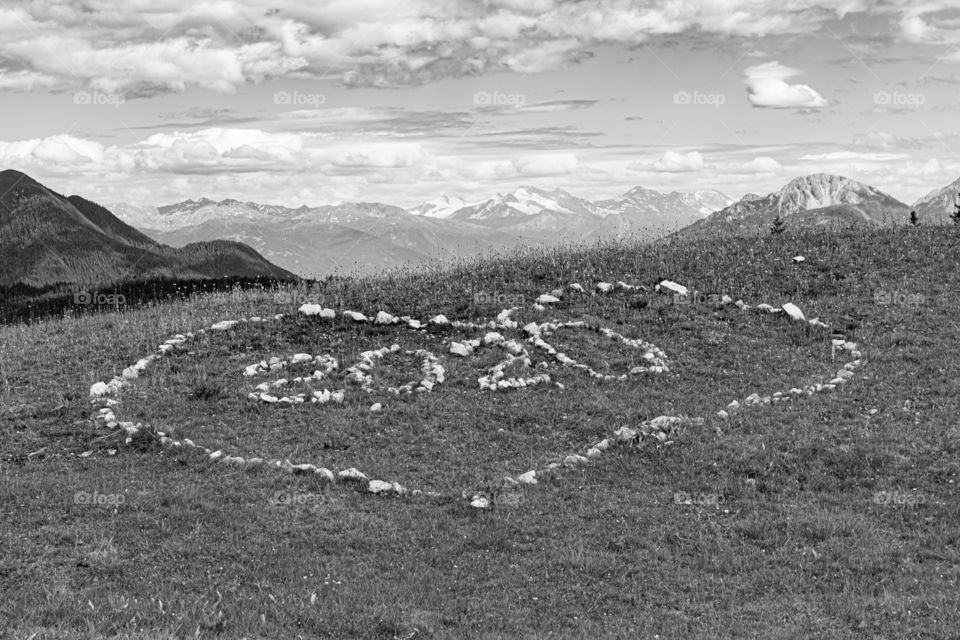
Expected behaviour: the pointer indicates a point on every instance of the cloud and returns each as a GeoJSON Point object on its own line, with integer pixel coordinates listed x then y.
{"type": "Point", "coordinates": [143, 48]}
{"type": "Point", "coordinates": [546, 164]}
{"type": "Point", "coordinates": [24, 80]}
{"type": "Point", "coordinates": [767, 87]}
{"type": "Point", "coordinates": [674, 162]}
{"type": "Point", "coordinates": [855, 155]}
{"type": "Point", "coordinates": [762, 164]}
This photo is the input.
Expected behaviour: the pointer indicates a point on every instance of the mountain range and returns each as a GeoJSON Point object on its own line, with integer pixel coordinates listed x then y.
{"type": "Point", "coordinates": [362, 237]}
{"type": "Point", "coordinates": [47, 238]}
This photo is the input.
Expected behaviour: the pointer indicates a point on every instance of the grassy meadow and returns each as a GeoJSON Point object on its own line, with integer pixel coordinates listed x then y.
{"type": "Point", "coordinates": [832, 516]}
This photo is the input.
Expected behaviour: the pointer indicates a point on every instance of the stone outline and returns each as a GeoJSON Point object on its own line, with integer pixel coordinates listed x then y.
{"type": "Point", "coordinates": [661, 428]}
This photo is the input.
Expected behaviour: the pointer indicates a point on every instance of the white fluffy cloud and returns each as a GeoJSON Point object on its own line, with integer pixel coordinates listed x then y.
{"type": "Point", "coordinates": [767, 87]}
{"type": "Point", "coordinates": [146, 46]}
{"type": "Point", "coordinates": [762, 164]}
{"type": "Point", "coordinates": [672, 162]}
{"type": "Point", "coordinates": [551, 164]}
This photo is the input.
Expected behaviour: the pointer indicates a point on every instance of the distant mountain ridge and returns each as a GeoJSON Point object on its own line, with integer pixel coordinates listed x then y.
{"type": "Point", "coordinates": [366, 236]}
{"type": "Point", "coordinates": [46, 238]}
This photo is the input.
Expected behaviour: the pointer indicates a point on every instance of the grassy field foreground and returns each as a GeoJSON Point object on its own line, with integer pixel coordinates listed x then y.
{"type": "Point", "coordinates": [834, 516]}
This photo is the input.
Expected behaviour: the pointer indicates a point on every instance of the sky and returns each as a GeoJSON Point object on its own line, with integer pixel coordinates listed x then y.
{"type": "Point", "coordinates": [402, 101]}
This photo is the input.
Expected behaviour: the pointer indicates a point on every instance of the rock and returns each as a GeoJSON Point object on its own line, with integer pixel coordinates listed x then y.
{"type": "Point", "coordinates": [355, 316]}
{"type": "Point", "coordinates": [593, 452]}
{"type": "Point", "coordinates": [352, 475]}
{"type": "Point", "coordinates": [723, 415]}
{"type": "Point", "coordinates": [492, 337]}
{"type": "Point", "coordinates": [733, 406]}
{"type": "Point", "coordinates": [301, 357]}
{"type": "Point", "coordinates": [439, 320]}
{"type": "Point", "coordinates": [216, 455]}
{"type": "Point", "coordinates": [530, 477]}
{"type": "Point", "coordinates": [324, 473]}
{"type": "Point", "coordinates": [547, 299]}
{"type": "Point", "coordinates": [604, 287]}
{"type": "Point", "coordinates": [798, 259]}
{"type": "Point", "coordinates": [376, 407]}
{"type": "Point", "coordinates": [317, 310]}
{"type": "Point", "coordinates": [460, 349]}
{"type": "Point", "coordinates": [539, 307]}
{"type": "Point", "coordinates": [603, 445]}
{"type": "Point", "coordinates": [385, 318]}
{"type": "Point", "coordinates": [575, 286]}
{"type": "Point", "coordinates": [740, 304]}
{"type": "Point", "coordinates": [379, 486]}
{"type": "Point", "coordinates": [670, 285]}
{"type": "Point", "coordinates": [753, 398]}
{"type": "Point", "coordinates": [574, 459]}
{"type": "Point", "coordinates": [223, 325]}
{"type": "Point", "coordinates": [625, 434]}
{"type": "Point", "coordinates": [98, 389]}
{"type": "Point", "coordinates": [480, 502]}
{"type": "Point", "coordinates": [793, 311]}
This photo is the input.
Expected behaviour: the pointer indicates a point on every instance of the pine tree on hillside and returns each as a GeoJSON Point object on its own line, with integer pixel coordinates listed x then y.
{"type": "Point", "coordinates": [778, 225]}
{"type": "Point", "coordinates": [955, 216]}
{"type": "Point", "coordinates": [914, 220]}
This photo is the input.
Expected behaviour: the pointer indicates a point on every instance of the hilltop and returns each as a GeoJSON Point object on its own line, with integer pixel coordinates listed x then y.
{"type": "Point", "coordinates": [808, 201]}
{"type": "Point", "coordinates": [781, 515]}
{"type": "Point", "coordinates": [46, 238]}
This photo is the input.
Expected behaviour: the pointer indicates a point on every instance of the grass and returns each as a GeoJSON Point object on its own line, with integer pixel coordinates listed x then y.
{"type": "Point", "coordinates": [832, 517]}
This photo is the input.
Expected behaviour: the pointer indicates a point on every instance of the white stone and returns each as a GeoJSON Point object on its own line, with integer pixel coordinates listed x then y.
{"type": "Point", "coordinates": [480, 502]}
{"type": "Point", "coordinates": [379, 486]}
{"type": "Point", "coordinates": [385, 318]}
{"type": "Point", "coordinates": [547, 299]}
{"type": "Point", "coordinates": [575, 286]}
{"type": "Point", "coordinates": [98, 389]}
{"type": "Point", "coordinates": [573, 460]}
{"type": "Point", "coordinates": [376, 407]}
{"type": "Point", "coordinates": [223, 325]}
{"type": "Point", "coordinates": [352, 475]}
{"type": "Point", "coordinates": [798, 259]}
{"type": "Point", "coordinates": [460, 349]}
{"type": "Point", "coordinates": [723, 415]}
{"type": "Point", "coordinates": [793, 311]}
{"type": "Point", "coordinates": [604, 287]}
{"type": "Point", "coordinates": [355, 316]}
{"type": "Point", "coordinates": [530, 477]}
{"type": "Point", "coordinates": [439, 320]}
{"type": "Point", "coordinates": [674, 287]}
